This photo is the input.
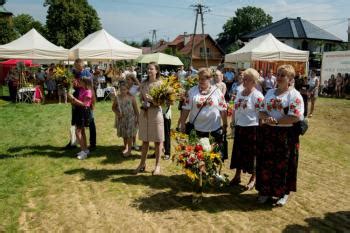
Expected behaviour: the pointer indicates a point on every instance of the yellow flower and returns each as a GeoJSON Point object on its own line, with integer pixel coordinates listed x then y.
{"type": "Point", "coordinates": [191, 175]}
{"type": "Point", "coordinates": [214, 155]}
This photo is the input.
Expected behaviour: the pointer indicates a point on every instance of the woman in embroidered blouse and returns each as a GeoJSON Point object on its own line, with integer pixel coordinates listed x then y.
{"type": "Point", "coordinates": [209, 118]}
{"type": "Point", "coordinates": [151, 124]}
{"type": "Point", "coordinates": [246, 121]}
{"type": "Point", "coordinates": [277, 160]}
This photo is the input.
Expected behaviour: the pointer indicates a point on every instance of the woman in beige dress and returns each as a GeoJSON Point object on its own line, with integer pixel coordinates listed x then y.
{"type": "Point", "coordinates": [151, 124]}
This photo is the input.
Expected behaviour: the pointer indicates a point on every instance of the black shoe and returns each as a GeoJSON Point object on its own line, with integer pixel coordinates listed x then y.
{"type": "Point", "coordinates": [92, 148]}
{"type": "Point", "coordinates": [69, 146]}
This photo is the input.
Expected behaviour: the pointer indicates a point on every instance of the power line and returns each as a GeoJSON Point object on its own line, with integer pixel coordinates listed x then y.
{"type": "Point", "coordinates": [200, 10]}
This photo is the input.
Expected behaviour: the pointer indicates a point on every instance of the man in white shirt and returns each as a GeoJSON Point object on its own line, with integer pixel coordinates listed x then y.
{"type": "Point", "coordinates": [270, 81]}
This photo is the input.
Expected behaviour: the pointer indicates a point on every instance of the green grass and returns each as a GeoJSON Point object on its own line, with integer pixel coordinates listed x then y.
{"type": "Point", "coordinates": [44, 188]}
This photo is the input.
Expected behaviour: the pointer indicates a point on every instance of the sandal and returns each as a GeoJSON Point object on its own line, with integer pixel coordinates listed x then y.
{"type": "Point", "coordinates": [125, 155]}
{"type": "Point", "coordinates": [250, 185]}
{"type": "Point", "coordinates": [139, 169]}
{"type": "Point", "coordinates": [156, 171]}
{"type": "Point", "coordinates": [235, 181]}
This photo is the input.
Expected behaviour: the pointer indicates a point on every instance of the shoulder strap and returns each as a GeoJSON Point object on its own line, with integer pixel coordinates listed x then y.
{"type": "Point", "coordinates": [203, 105]}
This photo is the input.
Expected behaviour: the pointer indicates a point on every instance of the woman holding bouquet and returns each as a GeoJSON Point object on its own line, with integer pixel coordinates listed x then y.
{"type": "Point", "coordinates": [151, 124]}
{"type": "Point", "coordinates": [245, 119]}
{"type": "Point", "coordinates": [277, 160]}
{"type": "Point", "coordinates": [206, 108]}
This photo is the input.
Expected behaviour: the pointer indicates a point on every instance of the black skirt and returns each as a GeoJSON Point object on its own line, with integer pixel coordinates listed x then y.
{"type": "Point", "coordinates": [244, 149]}
{"type": "Point", "coordinates": [82, 116]}
{"type": "Point", "coordinates": [277, 161]}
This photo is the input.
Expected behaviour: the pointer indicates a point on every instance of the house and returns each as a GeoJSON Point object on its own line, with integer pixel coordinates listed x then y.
{"type": "Point", "coordinates": [300, 34]}
{"type": "Point", "coordinates": [183, 45]}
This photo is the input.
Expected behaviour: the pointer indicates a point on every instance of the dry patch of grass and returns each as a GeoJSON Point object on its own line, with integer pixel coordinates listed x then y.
{"type": "Point", "coordinates": [47, 189]}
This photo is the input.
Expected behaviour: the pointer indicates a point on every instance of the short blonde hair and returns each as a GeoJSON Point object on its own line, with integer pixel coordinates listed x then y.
{"type": "Point", "coordinates": [252, 73]}
{"type": "Point", "coordinates": [130, 75]}
{"type": "Point", "coordinates": [286, 71]}
{"type": "Point", "coordinates": [204, 72]}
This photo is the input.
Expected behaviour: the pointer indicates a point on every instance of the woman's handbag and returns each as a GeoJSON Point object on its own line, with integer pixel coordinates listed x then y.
{"type": "Point", "coordinates": [301, 127]}
{"type": "Point", "coordinates": [190, 126]}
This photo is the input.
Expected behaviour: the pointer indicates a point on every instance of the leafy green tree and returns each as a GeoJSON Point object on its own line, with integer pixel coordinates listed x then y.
{"type": "Point", "coordinates": [246, 19]}
{"type": "Point", "coordinates": [24, 22]}
{"type": "Point", "coordinates": [7, 31]}
{"type": "Point", "coordinates": [186, 60]}
{"type": "Point", "coordinates": [132, 43]}
{"type": "Point", "coordinates": [146, 43]}
{"type": "Point", "coordinates": [68, 22]}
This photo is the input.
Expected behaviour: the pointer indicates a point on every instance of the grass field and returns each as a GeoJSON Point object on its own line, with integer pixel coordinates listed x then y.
{"type": "Point", "coordinates": [44, 188]}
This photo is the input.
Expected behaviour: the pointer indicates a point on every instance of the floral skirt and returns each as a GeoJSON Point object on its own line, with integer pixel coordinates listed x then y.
{"type": "Point", "coordinates": [244, 149]}
{"type": "Point", "coordinates": [277, 161]}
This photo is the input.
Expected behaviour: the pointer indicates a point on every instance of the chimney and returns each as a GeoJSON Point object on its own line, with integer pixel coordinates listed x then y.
{"type": "Point", "coordinates": [186, 38]}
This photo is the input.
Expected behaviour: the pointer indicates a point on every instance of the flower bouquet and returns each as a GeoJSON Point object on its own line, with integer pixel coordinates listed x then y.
{"type": "Point", "coordinates": [164, 94]}
{"type": "Point", "coordinates": [63, 75]}
{"type": "Point", "coordinates": [200, 160]}
{"type": "Point", "coordinates": [190, 82]}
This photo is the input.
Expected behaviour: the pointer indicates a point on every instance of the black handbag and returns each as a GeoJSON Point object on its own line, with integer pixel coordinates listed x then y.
{"type": "Point", "coordinates": [189, 126]}
{"type": "Point", "coordinates": [301, 127]}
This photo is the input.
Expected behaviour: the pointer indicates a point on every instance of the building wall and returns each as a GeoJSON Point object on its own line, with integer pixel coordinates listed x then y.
{"type": "Point", "coordinates": [313, 45]}
{"type": "Point", "coordinates": [199, 63]}
{"type": "Point", "coordinates": [214, 52]}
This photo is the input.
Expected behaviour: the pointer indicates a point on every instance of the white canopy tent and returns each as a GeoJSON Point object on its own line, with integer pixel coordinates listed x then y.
{"type": "Point", "coordinates": [266, 48]}
{"type": "Point", "coordinates": [160, 58]}
{"type": "Point", "coordinates": [33, 45]}
{"type": "Point", "coordinates": [101, 46]}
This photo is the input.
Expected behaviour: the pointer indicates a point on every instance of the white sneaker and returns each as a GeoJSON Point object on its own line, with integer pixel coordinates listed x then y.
{"type": "Point", "coordinates": [82, 155]}
{"type": "Point", "coordinates": [135, 147]}
{"type": "Point", "coordinates": [87, 151]}
{"type": "Point", "coordinates": [262, 199]}
{"type": "Point", "coordinates": [282, 201]}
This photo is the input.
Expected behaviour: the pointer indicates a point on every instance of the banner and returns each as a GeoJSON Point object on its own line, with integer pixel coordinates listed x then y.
{"type": "Point", "coordinates": [334, 63]}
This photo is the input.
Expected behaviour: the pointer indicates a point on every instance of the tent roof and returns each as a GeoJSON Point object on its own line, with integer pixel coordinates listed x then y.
{"type": "Point", "coordinates": [160, 58]}
{"type": "Point", "coordinates": [267, 48]}
{"type": "Point", "coordinates": [32, 45]}
{"type": "Point", "coordinates": [100, 45]}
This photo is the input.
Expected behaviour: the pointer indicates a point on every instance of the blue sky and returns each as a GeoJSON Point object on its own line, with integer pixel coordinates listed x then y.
{"type": "Point", "coordinates": [134, 19]}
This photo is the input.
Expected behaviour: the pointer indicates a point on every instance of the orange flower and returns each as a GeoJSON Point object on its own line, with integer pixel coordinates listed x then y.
{"type": "Point", "coordinates": [189, 148]}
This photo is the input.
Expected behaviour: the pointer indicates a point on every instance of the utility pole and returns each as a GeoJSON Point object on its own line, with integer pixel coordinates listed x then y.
{"type": "Point", "coordinates": [154, 39]}
{"type": "Point", "coordinates": [200, 9]}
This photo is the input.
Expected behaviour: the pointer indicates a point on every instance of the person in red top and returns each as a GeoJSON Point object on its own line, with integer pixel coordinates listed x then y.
{"type": "Point", "coordinates": [83, 111]}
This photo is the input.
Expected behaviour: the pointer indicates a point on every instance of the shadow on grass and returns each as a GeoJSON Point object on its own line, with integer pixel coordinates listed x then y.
{"type": "Point", "coordinates": [164, 201]}
{"type": "Point", "coordinates": [332, 222]}
{"type": "Point", "coordinates": [98, 174]}
{"type": "Point", "coordinates": [112, 154]}
{"type": "Point", "coordinates": [220, 199]}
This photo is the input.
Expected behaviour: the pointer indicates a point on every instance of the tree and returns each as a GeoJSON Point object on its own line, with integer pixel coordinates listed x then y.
{"type": "Point", "coordinates": [132, 43]}
{"type": "Point", "coordinates": [146, 43]}
{"type": "Point", "coordinates": [186, 60]}
{"type": "Point", "coordinates": [246, 19]}
{"type": "Point", "coordinates": [7, 31]}
{"type": "Point", "coordinates": [68, 22]}
{"type": "Point", "coordinates": [24, 22]}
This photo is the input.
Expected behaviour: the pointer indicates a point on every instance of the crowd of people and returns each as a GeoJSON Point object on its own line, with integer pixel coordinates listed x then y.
{"type": "Point", "coordinates": [336, 86]}
{"type": "Point", "coordinates": [50, 87]}
{"type": "Point", "coordinates": [265, 115]}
